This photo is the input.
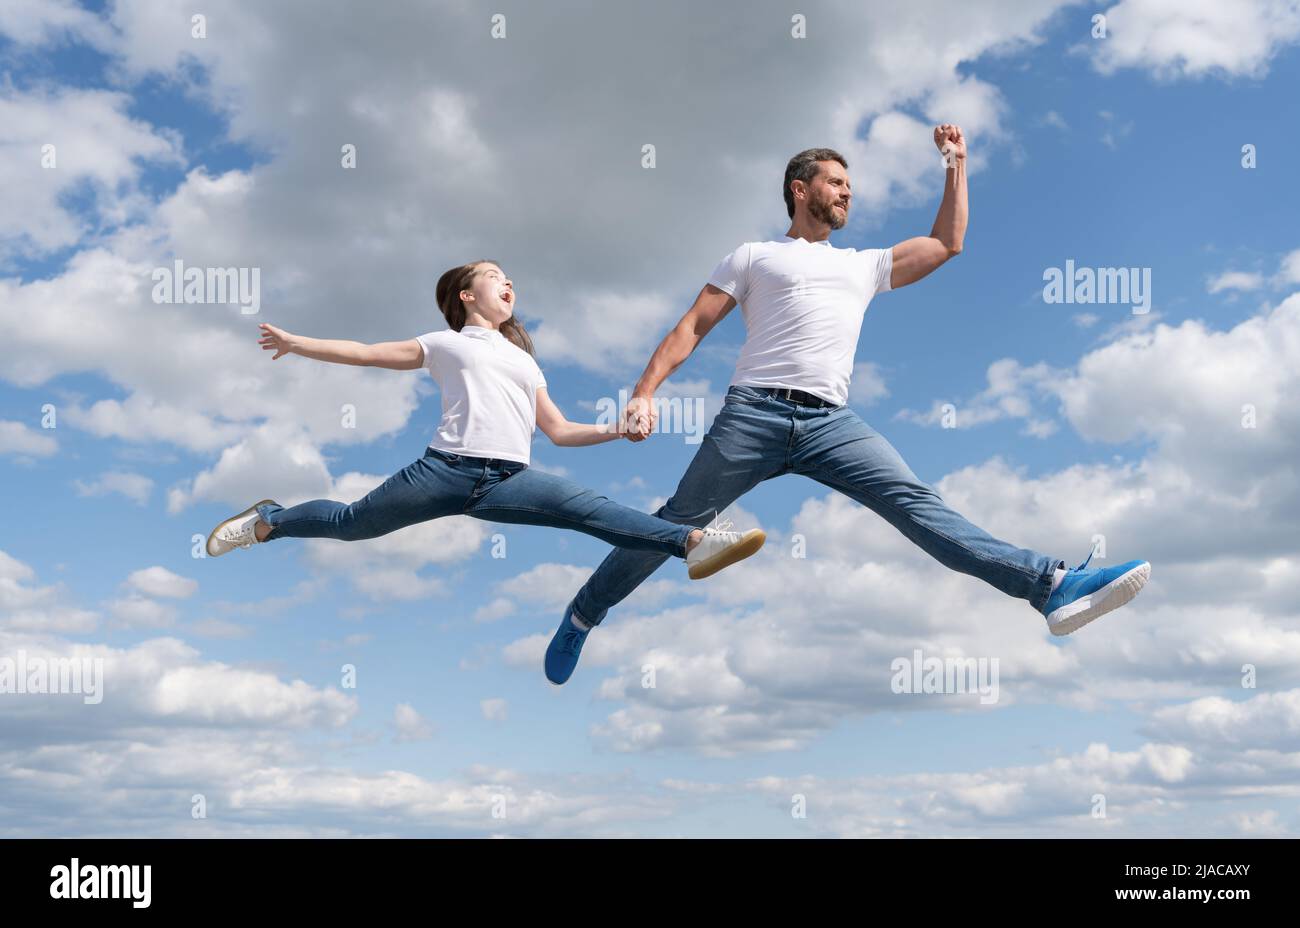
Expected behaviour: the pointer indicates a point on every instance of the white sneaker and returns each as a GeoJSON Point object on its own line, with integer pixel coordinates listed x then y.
{"type": "Point", "coordinates": [720, 548]}
{"type": "Point", "coordinates": [237, 531]}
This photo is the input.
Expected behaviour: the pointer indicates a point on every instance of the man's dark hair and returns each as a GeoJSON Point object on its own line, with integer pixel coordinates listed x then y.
{"type": "Point", "coordinates": [803, 166]}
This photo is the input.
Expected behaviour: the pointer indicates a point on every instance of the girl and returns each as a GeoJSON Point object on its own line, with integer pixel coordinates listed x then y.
{"type": "Point", "coordinates": [493, 393]}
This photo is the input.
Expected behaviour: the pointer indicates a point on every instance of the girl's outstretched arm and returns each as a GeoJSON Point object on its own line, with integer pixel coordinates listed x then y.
{"type": "Point", "coordinates": [398, 356]}
{"type": "Point", "coordinates": [570, 434]}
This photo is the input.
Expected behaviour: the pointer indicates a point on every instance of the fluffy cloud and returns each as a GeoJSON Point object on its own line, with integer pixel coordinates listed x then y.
{"type": "Point", "coordinates": [1234, 280]}
{"type": "Point", "coordinates": [410, 725]}
{"type": "Point", "coordinates": [164, 682]}
{"type": "Point", "coordinates": [136, 487]}
{"type": "Point", "coordinates": [161, 582]}
{"type": "Point", "coordinates": [41, 22]}
{"type": "Point", "coordinates": [27, 607]}
{"type": "Point", "coordinates": [64, 142]}
{"type": "Point", "coordinates": [1012, 393]}
{"type": "Point", "coordinates": [20, 439]}
{"type": "Point", "coordinates": [1196, 38]}
{"type": "Point", "coordinates": [867, 384]}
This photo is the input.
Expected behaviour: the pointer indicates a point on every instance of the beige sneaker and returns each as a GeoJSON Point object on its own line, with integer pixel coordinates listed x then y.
{"type": "Point", "coordinates": [720, 548]}
{"type": "Point", "coordinates": [237, 531]}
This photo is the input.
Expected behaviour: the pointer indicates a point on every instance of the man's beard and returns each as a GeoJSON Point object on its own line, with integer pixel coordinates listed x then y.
{"type": "Point", "coordinates": [824, 212]}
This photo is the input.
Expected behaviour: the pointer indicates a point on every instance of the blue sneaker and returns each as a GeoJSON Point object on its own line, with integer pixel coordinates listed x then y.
{"type": "Point", "coordinates": [1087, 593]}
{"type": "Point", "coordinates": [562, 653]}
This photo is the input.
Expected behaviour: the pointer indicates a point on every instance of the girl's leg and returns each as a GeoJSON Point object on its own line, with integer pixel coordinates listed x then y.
{"type": "Point", "coordinates": [424, 490]}
{"type": "Point", "coordinates": [530, 497]}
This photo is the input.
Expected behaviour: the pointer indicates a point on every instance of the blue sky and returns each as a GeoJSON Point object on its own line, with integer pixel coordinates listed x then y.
{"type": "Point", "coordinates": [773, 675]}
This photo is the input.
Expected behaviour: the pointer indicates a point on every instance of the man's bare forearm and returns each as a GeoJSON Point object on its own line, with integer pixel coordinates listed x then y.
{"type": "Point", "coordinates": [671, 353]}
{"type": "Point", "coordinates": [950, 224]}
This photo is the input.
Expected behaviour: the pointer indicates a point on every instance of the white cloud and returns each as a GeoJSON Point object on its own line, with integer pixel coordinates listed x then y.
{"type": "Point", "coordinates": [1114, 131]}
{"type": "Point", "coordinates": [266, 465]}
{"type": "Point", "coordinates": [162, 681]}
{"type": "Point", "coordinates": [1055, 119]}
{"type": "Point", "coordinates": [1265, 719]}
{"type": "Point", "coordinates": [498, 608]}
{"type": "Point", "coordinates": [1193, 383]}
{"type": "Point", "coordinates": [18, 438]}
{"type": "Point", "coordinates": [1014, 392]}
{"type": "Point", "coordinates": [1191, 388]}
{"type": "Point", "coordinates": [35, 608]}
{"type": "Point", "coordinates": [867, 384]}
{"type": "Point", "coordinates": [135, 487]}
{"type": "Point", "coordinates": [141, 612]}
{"type": "Point", "coordinates": [161, 582]}
{"type": "Point", "coordinates": [1195, 38]}
{"type": "Point", "coordinates": [41, 22]}
{"type": "Point", "coordinates": [546, 587]}
{"type": "Point", "coordinates": [97, 150]}
{"type": "Point", "coordinates": [218, 628]}
{"type": "Point", "coordinates": [1290, 269]}
{"type": "Point", "coordinates": [494, 710]}
{"type": "Point", "coordinates": [1234, 280]}
{"type": "Point", "coordinates": [411, 726]}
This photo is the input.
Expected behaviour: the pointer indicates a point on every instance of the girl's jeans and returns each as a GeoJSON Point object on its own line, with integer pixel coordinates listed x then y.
{"type": "Point", "coordinates": [443, 484]}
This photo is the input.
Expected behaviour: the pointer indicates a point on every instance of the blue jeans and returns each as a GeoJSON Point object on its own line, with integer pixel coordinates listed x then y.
{"type": "Point", "coordinates": [757, 437]}
{"type": "Point", "coordinates": [442, 484]}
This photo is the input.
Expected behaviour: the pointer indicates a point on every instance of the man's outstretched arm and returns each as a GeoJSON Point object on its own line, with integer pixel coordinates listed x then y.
{"type": "Point", "coordinates": [917, 257]}
{"type": "Point", "coordinates": [708, 310]}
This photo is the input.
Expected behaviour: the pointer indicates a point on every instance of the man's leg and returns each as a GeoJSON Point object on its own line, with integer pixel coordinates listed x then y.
{"type": "Point", "coordinates": [843, 452]}
{"type": "Point", "coordinates": [746, 445]}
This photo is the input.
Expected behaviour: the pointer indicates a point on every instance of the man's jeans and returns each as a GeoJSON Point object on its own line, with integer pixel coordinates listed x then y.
{"type": "Point", "coordinates": [442, 484]}
{"type": "Point", "coordinates": [756, 437]}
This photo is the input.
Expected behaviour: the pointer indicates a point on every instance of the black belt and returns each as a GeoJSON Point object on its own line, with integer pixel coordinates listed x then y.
{"type": "Point", "coordinates": [795, 396]}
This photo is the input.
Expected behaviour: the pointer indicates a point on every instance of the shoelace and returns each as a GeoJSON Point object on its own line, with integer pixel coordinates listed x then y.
{"type": "Point", "coordinates": [720, 528]}
{"type": "Point", "coordinates": [572, 639]}
{"type": "Point", "coordinates": [1087, 559]}
{"type": "Point", "coordinates": [244, 536]}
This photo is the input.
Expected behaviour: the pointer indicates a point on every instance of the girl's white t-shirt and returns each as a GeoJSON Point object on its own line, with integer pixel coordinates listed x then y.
{"type": "Point", "coordinates": [489, 393]}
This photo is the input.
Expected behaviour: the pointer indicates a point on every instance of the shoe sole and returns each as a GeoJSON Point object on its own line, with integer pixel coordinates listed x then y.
{"type": "Point", "coordinates": [247, 512]}
{"type": "Point", "coordinates": [748, 545]}
{"type": "Point", "coordinates": [1093, 606]}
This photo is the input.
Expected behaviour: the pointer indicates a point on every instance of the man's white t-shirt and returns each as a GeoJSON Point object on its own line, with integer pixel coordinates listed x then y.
{"type": "Point", "coordinates": [489, 393]}
{"type": "Point", "coordinates": [803, 304]}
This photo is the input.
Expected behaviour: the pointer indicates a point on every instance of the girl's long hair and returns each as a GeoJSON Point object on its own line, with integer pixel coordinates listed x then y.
{"type": "Point", "coordinates": [447, 293]}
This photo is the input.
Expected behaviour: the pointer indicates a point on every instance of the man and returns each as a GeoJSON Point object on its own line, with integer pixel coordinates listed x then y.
{"type": "Point", "coordinates": [803, 301]}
